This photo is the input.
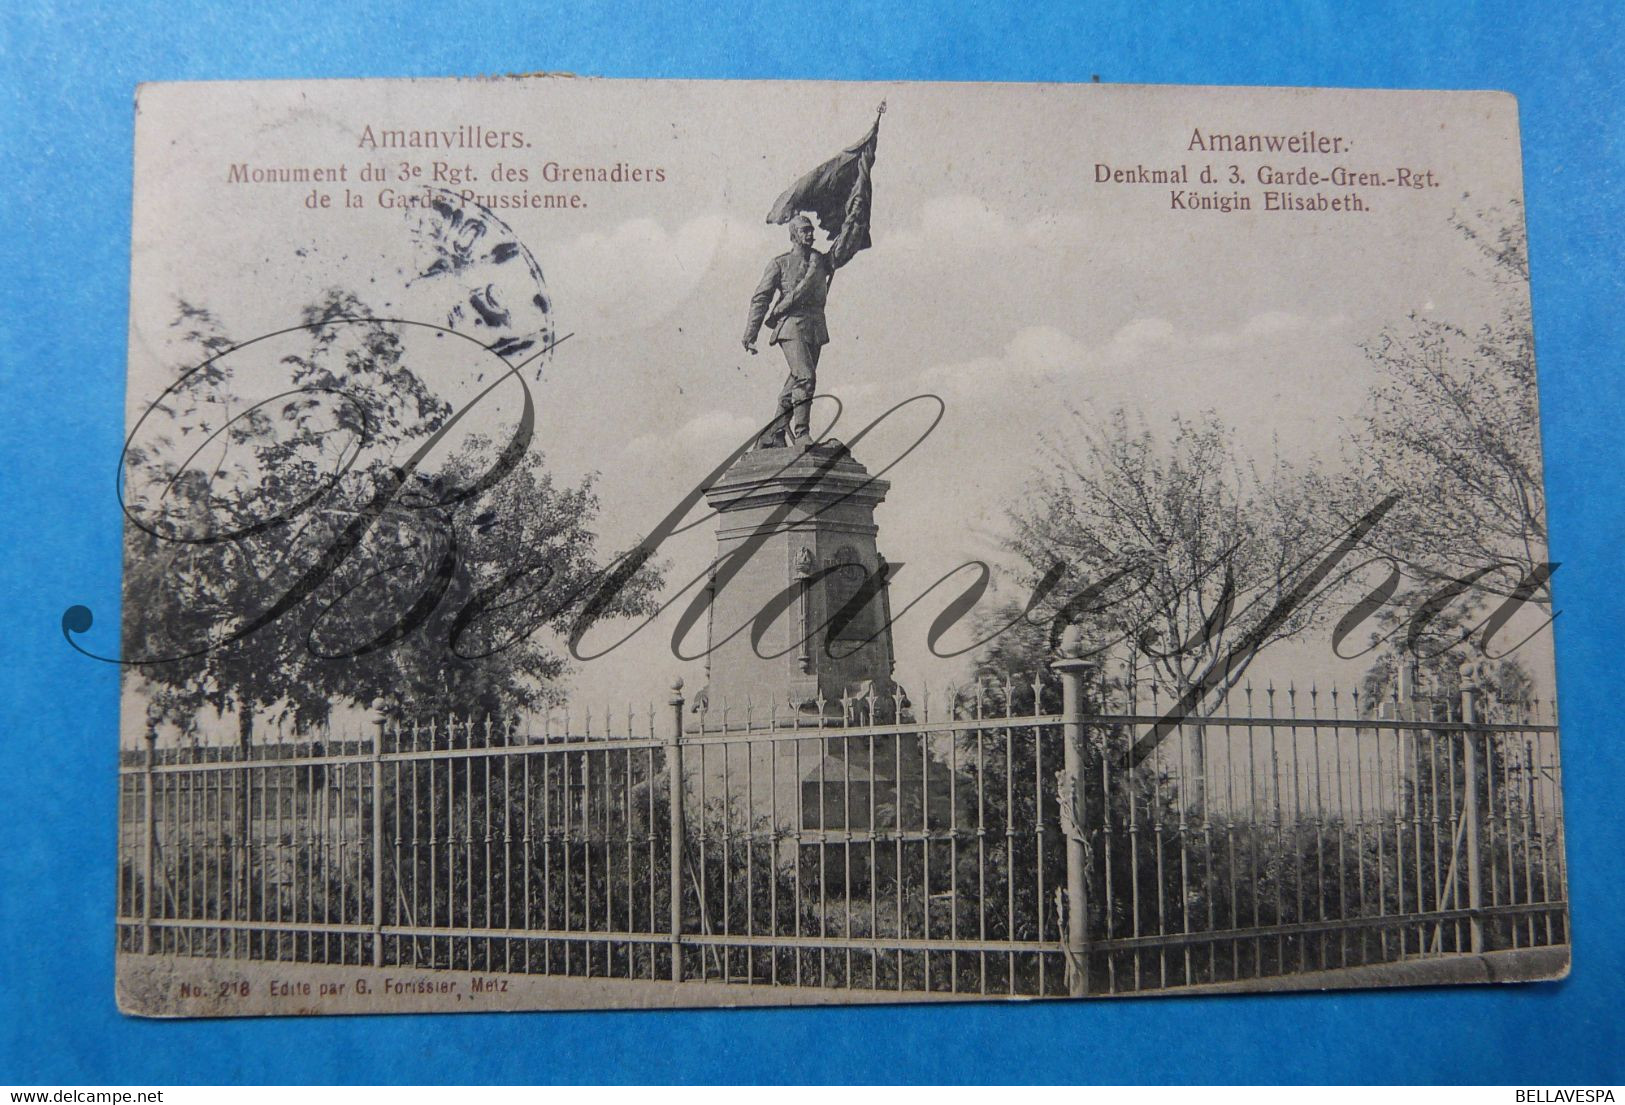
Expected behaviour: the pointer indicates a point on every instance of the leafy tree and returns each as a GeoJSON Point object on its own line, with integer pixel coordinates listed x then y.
{"type": "Point", "coordinates": [1188, 546]}
{"type": "Point", "coordinates": [284, 556]}
{"type": "Point", "coordinates": [1453, 426]}
{"type": "Point", "coordinates": [1436, 656]}
{"type": "Point", "coordinates": [1172, 554]}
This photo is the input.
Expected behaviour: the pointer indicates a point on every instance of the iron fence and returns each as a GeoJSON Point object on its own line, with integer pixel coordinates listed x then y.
{"type": "Point", "coordinates": [1005, 840]}
{"type": "Point", "coordinates": [1300, 833]}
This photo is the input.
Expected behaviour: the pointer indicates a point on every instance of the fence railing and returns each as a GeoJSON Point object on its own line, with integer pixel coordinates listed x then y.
{"type": "Point", "coordinates": [1007, 843]}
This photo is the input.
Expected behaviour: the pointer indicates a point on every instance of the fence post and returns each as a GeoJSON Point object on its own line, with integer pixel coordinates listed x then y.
{"type": "Point", "coordinates": [149, 816]}
{"type": "Point", "coordinates": [674, 801]}
{"type": "Point", "coordinates": [1469, 810]}
{"type": "Point", "coordinates": [1073, 671]}
{"type": "Point", "coordinates": [242, 886]}
{"type": "Point", "coordinates": [378, 846]}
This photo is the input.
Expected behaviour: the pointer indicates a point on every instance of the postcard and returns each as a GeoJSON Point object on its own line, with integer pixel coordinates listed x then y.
{"type": "Point", "coordinates": [632, 544]}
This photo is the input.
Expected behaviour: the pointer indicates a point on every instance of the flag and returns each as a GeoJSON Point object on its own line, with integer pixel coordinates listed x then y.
{"type": "Point", "coordinates": [839, 193]}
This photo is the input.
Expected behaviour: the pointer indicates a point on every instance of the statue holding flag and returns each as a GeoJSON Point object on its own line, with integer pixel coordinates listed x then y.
{"type": "Point", "coordinates": [791, 295]}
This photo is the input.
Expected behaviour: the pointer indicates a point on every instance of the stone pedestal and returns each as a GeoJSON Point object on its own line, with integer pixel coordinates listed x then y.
{"type": "Point", "coordinates": [795, 545]}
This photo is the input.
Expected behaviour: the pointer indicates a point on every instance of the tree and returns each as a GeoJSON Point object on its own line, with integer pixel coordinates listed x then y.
{"type": "Point", "coordinates": [1436, 656]}
{"type": "Point", "coordinates": [1169, 553]}
{"type": "Point", "coordinates": [1452, 425]}
{"type": "Point", "coordinates": [1013, 659]}
{"type": "Point", "coordinates": [284, 554]}
{"type": "Point", "coordinates": [1513, 840]}
{"type": "Point", "coordinates": [527, 543]}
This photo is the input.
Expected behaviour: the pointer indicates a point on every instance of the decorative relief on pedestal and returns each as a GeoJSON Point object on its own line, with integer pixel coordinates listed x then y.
{"type": "Point", "coordinates": [844, 584]}
{"type": "Point", "coordinates": [804, 568]}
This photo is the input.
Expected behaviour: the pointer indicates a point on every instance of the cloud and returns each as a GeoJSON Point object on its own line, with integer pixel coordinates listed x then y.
{"type": "Point", "coordinates": [1032, 354]}
{"type": "Point", "coordinates": [712, 434]}
{"type": "Point", "coordinates": [1138, 338]}
{"type": "Point", "coordinates": [1163, 354]}
{"type": "Point", "coordinates": [640, 272]}
{"type": "Point", "coordinates": [1269, 326]}
{"type": "Point", "coordinates": [961, 224]}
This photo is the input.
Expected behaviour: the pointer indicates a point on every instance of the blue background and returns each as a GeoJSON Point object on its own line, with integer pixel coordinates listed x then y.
{"type": "Point", "coordinates": [64, 251]}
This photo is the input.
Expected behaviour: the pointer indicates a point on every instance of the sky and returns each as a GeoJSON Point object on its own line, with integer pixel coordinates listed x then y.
{"type": "Point", "coordinates": [1004, 278]}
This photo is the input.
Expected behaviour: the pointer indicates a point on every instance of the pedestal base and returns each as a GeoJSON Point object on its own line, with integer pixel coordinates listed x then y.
{"type": "Point", "coordinates": [797, 554]}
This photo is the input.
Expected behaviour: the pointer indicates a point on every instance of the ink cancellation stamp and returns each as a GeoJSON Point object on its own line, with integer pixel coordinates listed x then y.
{"type": "Point", "coordinates": [637, 544]}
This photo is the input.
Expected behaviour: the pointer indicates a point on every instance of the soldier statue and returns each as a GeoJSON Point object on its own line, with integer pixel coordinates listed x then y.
{"type": "Point", "coordinates": [791, 295]}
